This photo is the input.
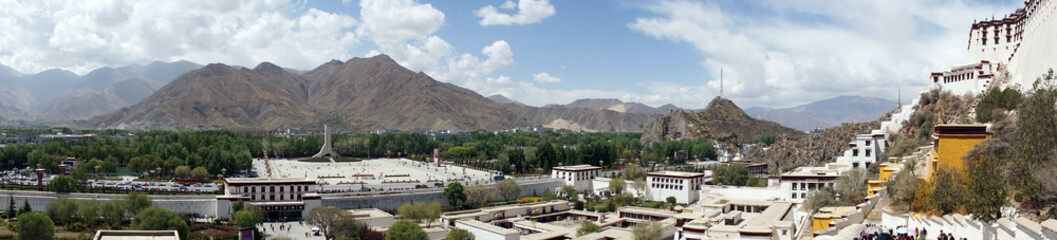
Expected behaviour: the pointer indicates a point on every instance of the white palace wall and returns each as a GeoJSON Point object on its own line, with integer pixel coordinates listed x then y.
{"type": "Point", "coordinates": [204, 205]}
{"type": "Point", "coordinates": [1037, 52]}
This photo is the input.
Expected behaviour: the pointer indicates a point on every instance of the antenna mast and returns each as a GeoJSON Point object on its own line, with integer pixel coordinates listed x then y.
{"type": "Point", "coordinates": [721, 82]}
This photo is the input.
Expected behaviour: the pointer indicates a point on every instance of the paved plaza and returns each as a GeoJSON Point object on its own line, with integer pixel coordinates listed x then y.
{"type": "Point", "coordinates": [293, 230]}
{"type": "Point", "coordinates": [373, 174]}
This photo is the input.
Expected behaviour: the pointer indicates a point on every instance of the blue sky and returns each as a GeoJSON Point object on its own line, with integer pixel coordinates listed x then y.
{"type": "Point", "coordinates": [773, 53]}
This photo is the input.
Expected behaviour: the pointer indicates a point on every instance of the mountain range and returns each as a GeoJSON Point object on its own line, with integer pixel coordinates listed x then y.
{"type": "Point", "coordinates": [58, 95]}
{"type": "Point", "coordinates": [827, 113]}
{"type": "Point", "coordinates": [362, 93]}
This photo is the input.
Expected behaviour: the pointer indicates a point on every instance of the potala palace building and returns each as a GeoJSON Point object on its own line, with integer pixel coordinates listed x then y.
{"type": "Point", "coordinates": [1011, 51]}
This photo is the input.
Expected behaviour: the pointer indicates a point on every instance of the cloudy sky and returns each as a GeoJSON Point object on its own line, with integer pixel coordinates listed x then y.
{"type": "Point", "coordinates": [773, 53]}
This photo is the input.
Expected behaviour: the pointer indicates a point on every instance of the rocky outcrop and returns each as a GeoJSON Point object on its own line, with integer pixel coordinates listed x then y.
{"type": "Point", "coordinates": [721, 118]}
{"type": "Point", "coordinates": [814, 149]}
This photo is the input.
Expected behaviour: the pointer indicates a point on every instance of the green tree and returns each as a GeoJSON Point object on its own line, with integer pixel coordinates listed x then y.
{"type": "Point", "coordinates": [248, 216]}
{"type": "Point", "coordinates": [1035, 137]}
{"type": "Point", "coordinates": [671, 200]}
{"type": "Point", "coordinates": [183, 171]}
{"type": "Point", "coordinates": [25, 207]}
{"type": "Point", "coordinates": [986, 192]}
{"type": "Point", "coordinates": [587, 227]}
{"type": "Point", "coordinates": [617, 185]}
{"type": "Point", "coordinates": [478, 195]}
{"type": "Point", "coordinates": [89, 212]}
{"type": "Point", "coordinates": [405, 230]}
{"type": "Point", "coordinates": [63, 210]}
{"type": "Point", "coordinates": [546, 155]}
{"type": "Point", "coordinates": [35, 225]}
{"type": "Point", "coordinates": [62, 184]}
{"type": "Point", "coordinates": [237, 205]}
{"type": "Point", "coordinates": [459, 234]}
{"type": "Point", "coordinates": [949, 191]}
{"type": "Point", "coordinates": [431, 213]}
{"type": "Point", "coordinates": [199, 173]}
{"type": "Point", "coordinates": [995, 102]}
{"type": "Point", "coordinates": [112, 212]}
{"type": "Point", "coordinates": [135, 202]}
{"type": "Point", "coordinates": [326, 218]}
{"type": "Point", "coordinates": [509, 189]}
{"type": "Point", "coordinates": [852, 186]}
{"type": "Point", "coordinates": [646, 231]}
{"type": "Point", "coordinates": [454, 193]}
{"type": "Point", "coordinates": [11, 210]}
{"type": "Point", "coordinates": [156, 218]}
{"type": "Point", "coordinates": [731, 175]}
{"type": "Point", "coordinates": [635, 172]}
{"type": "Point", "coordinates": [569, 192]}
{"type": "Point", "coordinates": [549, 195]}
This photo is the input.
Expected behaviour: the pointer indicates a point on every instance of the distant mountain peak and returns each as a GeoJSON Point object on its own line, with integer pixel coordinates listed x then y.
{"type": "Point", "coordinates": [500, 99]}
{"type": "Point", "coordinates": [267, 67]}
{"type": "Point", "coordinates": [827, 112]}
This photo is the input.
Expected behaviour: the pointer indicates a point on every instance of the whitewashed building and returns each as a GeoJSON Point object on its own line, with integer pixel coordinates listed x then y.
{"type": "Point", "coordinates": [798, 184]}
{"type": "Point", "coordinates": [278, 198]}
{"type": "Point", "coordinates": [865, 150]}
{"type": "Point", "coordinates": [684, 186]}
{"type": "Point", "coordinates": [578, 176]}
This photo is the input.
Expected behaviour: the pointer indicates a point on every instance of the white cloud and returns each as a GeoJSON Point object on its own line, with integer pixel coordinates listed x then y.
{"type": "Point", "coordinates": [546, 78]}
{"type": "Point", "coordinates": [508, 5]}
{"type": "Point", "coordinates": [404, 30]}
{"type": "Point", "coordinates": [84, 35]}
{"type": "Point", "coordinates": [785, 53]}
{"type": "Point", "coordinates": [528, 12]}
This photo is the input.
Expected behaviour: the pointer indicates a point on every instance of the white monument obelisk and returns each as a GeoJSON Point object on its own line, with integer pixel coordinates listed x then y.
{"type": "Point", "coordinates": [326, 151]}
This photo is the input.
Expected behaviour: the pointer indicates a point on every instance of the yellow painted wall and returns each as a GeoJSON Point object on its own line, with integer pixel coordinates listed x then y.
{"type": "Point", "coordinates": [951, 149]}
{"type": "Point", "coordinates": [873, 186]}
{"type": "Point", "coordinates": [821, 221]}
{"type": "Point", "coordinates": [886, 173]}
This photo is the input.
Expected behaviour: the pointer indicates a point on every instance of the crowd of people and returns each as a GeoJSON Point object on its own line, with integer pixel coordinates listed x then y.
{"type": "Point", "coordinates": [880, 232]}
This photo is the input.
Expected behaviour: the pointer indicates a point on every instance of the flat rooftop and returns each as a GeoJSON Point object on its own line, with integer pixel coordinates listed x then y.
{"type": "Point", "coordinates": [369, 213]}
{"type": "Point", "coordinates": [675, 174]}
{"type": "Point", "coordinates": [136, 235]}
{"type": "Point", "coordinates": [581, 167]}
{"type": "Point", "coordinates": [267, 181]}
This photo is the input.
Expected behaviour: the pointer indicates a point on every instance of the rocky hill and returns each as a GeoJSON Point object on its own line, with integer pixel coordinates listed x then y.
{"type": "Point", "coordinates": [813, 149]}
{"type": "Point", "coordinates": [378, 93]}
{"type": "Point", "coordinates": [720, 118]}
{"type": "Point", "coordinates": [826, 113]}
{"type": "Point", "coordinates": [217, 95]}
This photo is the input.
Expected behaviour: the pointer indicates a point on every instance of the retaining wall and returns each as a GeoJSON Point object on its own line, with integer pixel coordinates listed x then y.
{"type": "Point", "coordinates": [390, 201]}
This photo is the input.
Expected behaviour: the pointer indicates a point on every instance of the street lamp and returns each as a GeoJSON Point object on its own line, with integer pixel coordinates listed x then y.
{"type": "Point", "coordinates": [224, 171]}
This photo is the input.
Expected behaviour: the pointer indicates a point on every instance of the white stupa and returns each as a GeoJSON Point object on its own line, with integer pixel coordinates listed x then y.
{"type": "Point", "coordinates": [327, 151]}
